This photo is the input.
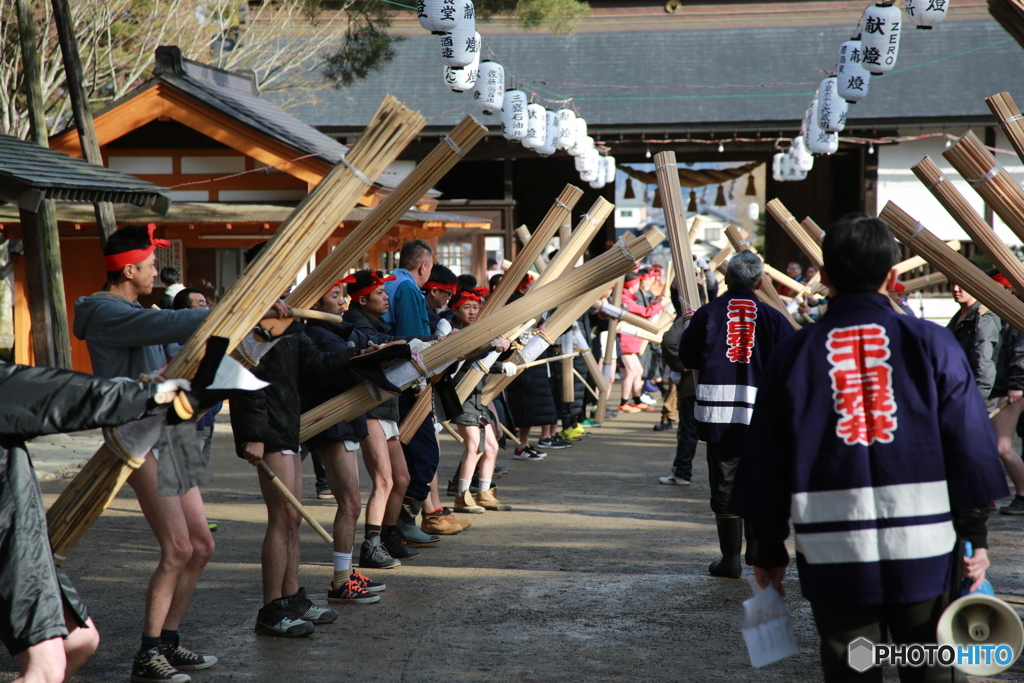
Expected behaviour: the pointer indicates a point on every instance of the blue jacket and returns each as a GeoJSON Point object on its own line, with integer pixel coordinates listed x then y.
{"type": "Point", "coordinates": [870, 433]}
{"type": "Point", "coordinates": [407, 314]}
{"type": "Point", "coordinates": [729, 342]}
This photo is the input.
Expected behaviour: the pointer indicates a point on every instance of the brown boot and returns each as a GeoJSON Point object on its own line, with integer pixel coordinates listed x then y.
{"type": "Point", "coordinates": [436, 524]}
{"type": "Point", "coordinates": [464, 503]}
{"type": "Point", "coordinates": [489, 500]}
{"type": "Point", "coordinates": [452, 519]}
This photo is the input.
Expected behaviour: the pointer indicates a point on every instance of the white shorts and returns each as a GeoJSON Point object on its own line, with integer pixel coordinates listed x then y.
{"type": "Point", "coordinates": [351, 446]}
{"type": "Point", "coordinates": [390, 428]}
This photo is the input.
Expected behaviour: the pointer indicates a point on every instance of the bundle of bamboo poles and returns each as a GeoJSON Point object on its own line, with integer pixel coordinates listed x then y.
{"type": "Point", "coordinates": [954, 266]}
{"type": "Point", "coordinates": [541, 262]}
{"type": "Point", "coordinates": [766, 292]}
{"type": "Point", "coordinates": [976, 164]}
{"type": "Point", "coordinates": [914, 262]}
{"type": "Point", "coordinates": [372, 228]}
{"type": "Point", "coordinates": [923, 281]}
{"type": "Point", "coordinates": [623, 315]}
{"type": "Point", "coordinates": [796, 231]}
{"type": "Point", "coordinates": [602, 269]}
{"type": "Point", "coordinates": [675, 226]}
{"type": "Point", "coordinates": [392, 127]}
{"type": "Point", "coordinates": [608, 358]}
{"type": "Point", "coordinates": [1009, 117]}
{"type": "Point", "coordinates": [1010, 15]}
{"type": "Point", "coordinates": [696, 225]}
{"type": "Point", "coordinates": [812, 228]}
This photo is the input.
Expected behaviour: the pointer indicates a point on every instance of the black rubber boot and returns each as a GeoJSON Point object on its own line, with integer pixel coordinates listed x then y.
{"type": "Point", "coordinates": [751, 554]}
{"type": "Point", "coordinates": [730, 540]}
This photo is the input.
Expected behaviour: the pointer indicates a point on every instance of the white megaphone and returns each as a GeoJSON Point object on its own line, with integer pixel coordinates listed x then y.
{"type": "Point", "coordinates": [979, 619]}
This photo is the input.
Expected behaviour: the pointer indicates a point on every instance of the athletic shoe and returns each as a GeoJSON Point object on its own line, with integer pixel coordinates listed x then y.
{"type": "Point", "coordinates": [304, 609]}
{"type": "Point", "coordinates": [277, 618]}
{"type": "Point", "coordinates": [553, 443]}
{"type": "Point", "coordinates": [526, 454]}
{"type": "Point", "coordinates": [392, 542]}
{"type": "Point", "coordinates": [663, 426]}
{"type": "Point", "coordinates": [324, 494]}
{"type": "Point", "coordinates": [499, 470]}
{"type": "Point", "coordinates": [590, 423]}
{"type": "Point", "coordinates": [567, 435]}
{"type": "Point", "coordinates": [628, 408]}
{"type": "Point", "coordinates": [649, 387]}
{"type": "Point", "coordinates": [1016, 507]}
{"type": "Point", "coordinates": [366, 583]}
{"type": "Point", "coordinates": [351, 592]}
{"type": "Point", "coordinates": [644, 407]}
{"type": "Point", "coordinates": [673, 480]}
{"type": "Point", "coordinates": [151, 665]}
{"type": "Point", "coordinates": [531, 449]}
{"type": "Point", "coordinates": [648, 400]}
{"type": "Point", "coordinates": [373, 555]}
{"type": "Point", "coordinates": [213, 526]}
{"type": "Point", "coordinates": [184, 659]}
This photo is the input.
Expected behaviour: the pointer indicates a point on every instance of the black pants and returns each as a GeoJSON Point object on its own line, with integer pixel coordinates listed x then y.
{"type": "Point", "coordinates": [723, 457]}
{"type": "Point", "coordinates": [902, 623]}
{"type": "Point", "coordinates": [686, 439]}
{"type": "Point", "coordinates": [421, 454]}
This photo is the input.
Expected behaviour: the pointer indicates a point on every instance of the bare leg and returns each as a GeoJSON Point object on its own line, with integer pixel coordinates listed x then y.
{"type": "Point", "coordinates": [280, 557]}
{"type": "Point", "coordinates": [632, 375]}
{"type": "Point", "coordinates": [433, 501]}
{"type": "Point", "coordinates": [471, 451]}
{"type": "Point", "coordinates": [44, 662]}
{"type": "Point", "coordinates": [399, 482]}
{"type": "Point", "coordinates": [80, 644]}
{"type": "Point", "coordinates": [202, 550]}
{"type": "Point", "coordinates": [343, 478]}
{"type": "Point", "coordinates": [1004, 425]}
{"type": "Point", "coordinates": [524, 437]}
{"type": "Point", "coordinates": [378, 463]}
{"type": "Point", "coordinates": [490, 456]}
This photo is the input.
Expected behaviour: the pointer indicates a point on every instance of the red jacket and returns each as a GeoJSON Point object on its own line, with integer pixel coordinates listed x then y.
{"type": "Point", "coordinates": [628, 342]}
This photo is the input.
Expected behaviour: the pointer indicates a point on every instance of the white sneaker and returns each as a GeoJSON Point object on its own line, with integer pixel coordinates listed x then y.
{"type": "Point", "coordinates": [673, 480]}
{"type": "Point", "coordinates": [646, 398]}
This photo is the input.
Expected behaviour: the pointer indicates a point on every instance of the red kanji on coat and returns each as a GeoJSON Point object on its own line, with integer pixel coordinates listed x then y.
{"type": "Point", "coordinates": [862, 384]}
{"type": "Point", "coordinates": [739, 330]}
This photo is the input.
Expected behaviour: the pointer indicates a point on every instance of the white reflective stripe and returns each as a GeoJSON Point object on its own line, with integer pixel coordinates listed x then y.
{"type": "Point", "coordinates": [723, 414]}
{"type": "Point", "coordinates": [726, 393]}
{"type": "Point", "coordinates": [873, 545]}
{"type": "Point", "coordinates": [879, 502]}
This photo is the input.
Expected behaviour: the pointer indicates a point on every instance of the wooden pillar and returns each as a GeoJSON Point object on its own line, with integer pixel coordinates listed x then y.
{"type": "Point", "coordinates": [38, 288]}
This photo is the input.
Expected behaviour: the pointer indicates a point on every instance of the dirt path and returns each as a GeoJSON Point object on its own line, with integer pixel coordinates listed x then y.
{"type": "Point", "coordinates": [598, 574]}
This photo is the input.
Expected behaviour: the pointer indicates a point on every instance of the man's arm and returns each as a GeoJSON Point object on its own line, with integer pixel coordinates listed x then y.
{"type": "Point", "coordinates": [983, 353]}
{"type": "Point", "coordinates": [691, 344]}
{"type": "Point", "coordinates": [124, 326]}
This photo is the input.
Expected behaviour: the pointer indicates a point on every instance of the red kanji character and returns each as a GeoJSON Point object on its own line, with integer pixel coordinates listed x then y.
{"type": "Point", "coordinates": [862, 384]}
{"type": "Point", "coordinates": [739, 330]}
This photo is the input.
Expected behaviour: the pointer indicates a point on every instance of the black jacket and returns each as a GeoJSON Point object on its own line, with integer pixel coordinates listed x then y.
{"type": "Point", "coordinates": [377, 331]}
{"type": "Point", "coordinates": [331, 338]}
{"type": "Point", "coordinates": [272, 414]}
{"type": "Point", "coordinates": [978, 334]}
{"type": "Point", "coordinates": [1010, 362]}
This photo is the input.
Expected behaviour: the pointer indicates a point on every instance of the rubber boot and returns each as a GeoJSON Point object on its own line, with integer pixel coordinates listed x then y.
{"type": "Point", "coordinates": [730, 540]}
{"type": "Point", "coordinates": [412, 534]}
{"type": "Point", "coordinates": [751, 554]}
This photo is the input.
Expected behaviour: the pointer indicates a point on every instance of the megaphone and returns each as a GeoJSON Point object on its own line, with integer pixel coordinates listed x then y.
{"type": "Point", "coordinates": [980, 618]}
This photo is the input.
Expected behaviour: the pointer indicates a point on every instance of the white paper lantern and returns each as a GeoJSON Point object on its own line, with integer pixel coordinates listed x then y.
{"type": "Point", "coordinates": [461, 79]}
{"type": "Point", "coordinates": [489, 91]}
{"type": "Point", "coordinates": [852, 78]}
{"type": "Point", "coordinates": [438, 16]}
{"type": "Point", "coordinates": [818, 141]}
{"type": "Point", "coordinates": [880, 38]}
{"type": "Point", "coordinates": [925, 13]}
{"type": "Point", "coordinates": [579, 137]}
{"type": "Point", "coordinates": [592, 170]}
{"type": "Point", "coordinates": [551, 134]}
{"type": "Point", "coordinates": [536, 126]}
{"type": "Point", "coordinates": [803, 160]}
{"type": "Point", "coordinates": [461, 45]}
{"type": "Point", "coordinates": [831, 107]}
{"type": "Point", "coordinates": [783, 170]}
{"type": "Point", "coordinates": [598, 184]}
{"type": "Point", "coordinates": [566, 129]}
{"type": "Point", "coordinates": [513, 115]}
{"type": "Point", "coordinates": [609, 169]}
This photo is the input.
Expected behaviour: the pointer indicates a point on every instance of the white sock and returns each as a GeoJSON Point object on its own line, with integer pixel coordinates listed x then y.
{"type": "Point", "coordinates": [464, 485]}
{"type": "Point", "coordinates": [342, 562]}
{"type": "Point", "coordinates": [485, 484]}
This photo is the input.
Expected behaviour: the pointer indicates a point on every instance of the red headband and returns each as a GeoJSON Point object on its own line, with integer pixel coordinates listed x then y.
{"type": "Point", "coordinates": [527, 279]}
{"type": "Point", "coordinates": [369, 289]}
{"type": "Point", "coordinates": [481, 291]}
{"type": "Point", "coordinates": [437, 285]}
{"type": "Point", "coordinates": [1001, 280]}
{"type": "Point", "coordinates": [128, 258]}
{"type": "Point", "coordinates": [899, 287]}
{"type": "Point", "coordinates": [464, 297]}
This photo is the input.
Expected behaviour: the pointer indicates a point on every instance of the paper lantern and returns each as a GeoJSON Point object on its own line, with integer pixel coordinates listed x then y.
{"type": "Point", "coordinates": [598, 184]}
{"type": "Point", "coordinates": [438, 16]}
{"type": "Point", "coordinates": [609, 169]}
{"type": "Point", "coordinates": [831, 107]}
{"type": "Point", "coordinates": [783, 169]}
{"type": "Point", "coordinates": [461, 45]}
{"type": "Point", "coordinates": [591, 166]}
{"type": "Point", "coordinates": [818, 141]}
{"type": "Point", "coordinates": [566, 129]}
{"type": "Point", "coordinates": [880, 38]}
{"type": "Point", "coordinates": [852, 78]}
{"type": "Point", "coordinates": [513, 115]}
{"type": "Point", "coordinates": [802, 159]}
{"type": "Point", "coordinates": [489, 91]}
{"type": "Point", "coordinates": [536, 126]}
{"type": "Point", "coordinates": [925, 13]}
{"type": "Point", "coordinates": [550, 134]}
{"type": "Point", "coordinates": [461, 79]}
{"type": "Point", "coordinates": [579, 137]}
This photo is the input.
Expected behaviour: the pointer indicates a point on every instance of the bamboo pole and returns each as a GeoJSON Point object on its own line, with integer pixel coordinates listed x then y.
{"type": "Point", "coordinates": [299, 507]}
{"type": "Point", "coordinates": [540, 262]}
{"type": "Point", "coordinates": [766, 292]}
{"type": "Point", "coordinates": [608, 357]}
{"type": "Point", "coordinates": [957, 268]}
{"type": "Point", "coordinates": [797, 232]}
{"type": "Point", "coordinates": [545, 361]}
{"type": "Point", "coordinates": [568, 382]}
{"type": "Point", "coordinates": [696, 225]}
{"type": "Point", "coordinates": [923, 281]}
{"type": "Point", "coordinates": [623, 315]}
{"type": "Point", "coordinates": [583, 381]}
{"type": "Point", "coordinates": [975, 163]}
{"type": "Point", "coordinates": [595, 373]}
{"type": "Point", "coordinates": [390, 130]}
{"type": "Point", "coordinates": [1010, 15]}
{"type": "Point", "coordinates": [812, 228]}
{"type": "Point", "coordinates": [508, 432]}
{"type": "Point", "coordinates": [375, 226]}
{"type": "Point", "coordinates": [1009, 117]}
{"type": "Point", "coordinates": [721, 257]}
{"type": "Point", "coordinates": [675, 226]}
{"type": "Point", "coordinates": [451, 430]}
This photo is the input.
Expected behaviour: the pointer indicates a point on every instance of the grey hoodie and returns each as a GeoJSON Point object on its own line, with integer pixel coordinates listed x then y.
{"type": "Point", "coordinates": [127, 340]}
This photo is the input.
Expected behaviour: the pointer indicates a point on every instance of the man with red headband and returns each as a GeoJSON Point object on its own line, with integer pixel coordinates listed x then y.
{"type": "Point", "coordinates": [126, 340]}
{"type": "Point", "coordinates": [438, 291]}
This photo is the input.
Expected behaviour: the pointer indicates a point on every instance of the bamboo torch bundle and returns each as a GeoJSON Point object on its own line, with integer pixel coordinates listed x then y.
{"type": "Point", "coordinates": [812, 228]}
{"type": "Point", "coordinates": [810, 248]}
{"type": "Point", "coordinates": [1010, 15]}
{"type": "Point", "coordinates": [721, 257]}
{"type": "Point", "coordinates": [524, 235]}
{"type": "Point", "coordinates": [608, 358]}
{"type": "Point", "coordinates": [954, 266]}
{"type": "Point", "coordinates": [976, 164]}
{"type": "Point", "coordinates": [623, 315]}
{"type": "Point", "coordinates": [1009, 117]}
{"type": "Point", "coordinates": [392, 127]}
{"type": "Point", "coordinates": [372, 228]}
{"type": "Point", "coordinates": [606, 267]}
{"type": "Point", "coordinates": [968, 219]}
{"type": "Point", "coordinates": [923, 281]}
{"type": "Point", "coordinates": [913, 262]}
{"type": "Point", "coordinates": [675, 226]}
{"type": "Point", "coordinates": [696, 225]}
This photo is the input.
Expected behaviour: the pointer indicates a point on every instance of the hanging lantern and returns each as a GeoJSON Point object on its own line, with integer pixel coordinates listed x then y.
{"type": "Point", "coordinates": [550, 134]}
{"type": "Point", "coordinates": [609, 169]}
{"type": "Point", "coordinates": [831, 107]}
{"type": "Point", "coordinates": [513, 115]}
{"type": "Point", "coordinates": [438, 16]}
{"type": "Point", "coordinates": [925, 13]}
{"type": "Point", "coordinates": [592, 166]}
{"type": "Point", "coordinates": [566, 129]}
{"type": "Point", "coordinates": [579, 137]}
{"type": "Point", "coordinates": [692, 206]}
{"type": "Point", "coordinates": [656, 203]}
{"type": "Point", "coordinates": [751, 187]}
{"type": "Point", "coordinates": [629, 192]}
{"type": "Point", "coordinates": [598, 184]}
{"type": "Point", "coordinates": [580, 163]}
{"type": "Point", "coordinates": [802, 159]}
{"type": "Point", "coordinates": [461, 45]}
{"type": "Point", "coordinates": [783, 169]}
{"type": "Point", "coordinates": [489, 91]}
{"type": "Point", "coordinates": [880, 37]}
{"type": "Point", "coordinates": [536, 126]}
{"type": "Point", "coordinates": [852, 78]}
{"type": "Point", "coordinates": [818, 141]}
{"type": "Point", "coordinates": [461, 79]}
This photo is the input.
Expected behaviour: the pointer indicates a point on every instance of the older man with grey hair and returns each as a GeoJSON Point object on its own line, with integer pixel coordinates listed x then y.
{"type": "Point", "coordinates": [729, 342]}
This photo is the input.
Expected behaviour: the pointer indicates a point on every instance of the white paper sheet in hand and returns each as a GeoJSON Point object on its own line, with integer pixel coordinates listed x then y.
{"type": "Point", "coordinates": [768, 627]}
